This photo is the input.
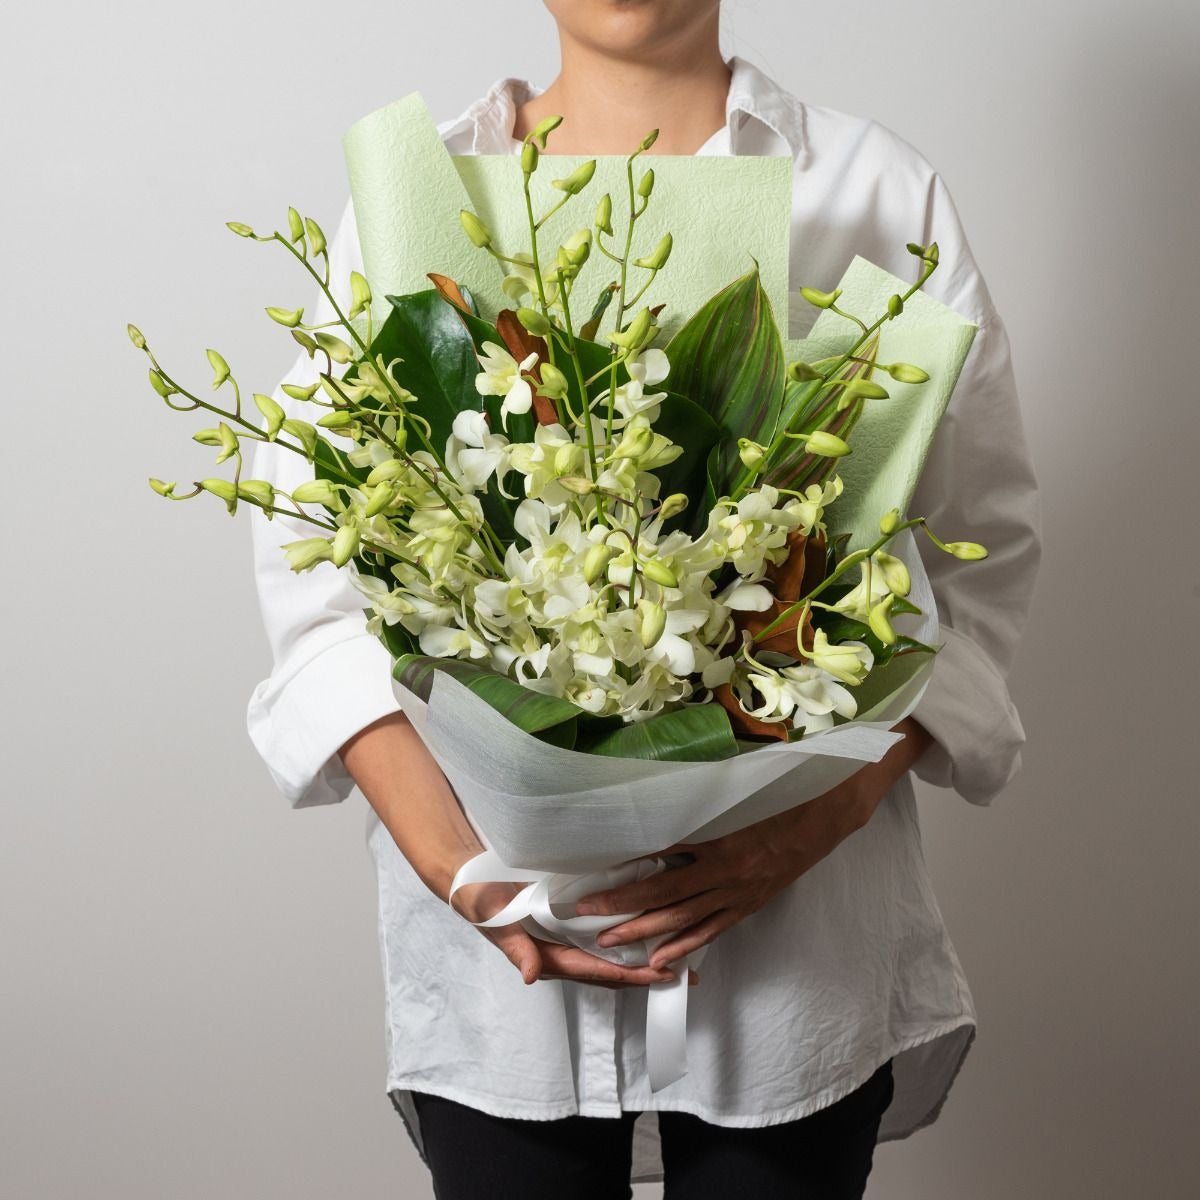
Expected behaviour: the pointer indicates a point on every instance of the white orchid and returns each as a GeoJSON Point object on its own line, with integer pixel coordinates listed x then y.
{"type": "Point", "coordinates": [502, 376]}
{"type": "Point", "coordinates": [474, 453]}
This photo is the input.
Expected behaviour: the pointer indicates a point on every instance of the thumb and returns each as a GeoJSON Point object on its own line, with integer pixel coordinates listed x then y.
{"type": "Point", "coordinates": [523, 953]}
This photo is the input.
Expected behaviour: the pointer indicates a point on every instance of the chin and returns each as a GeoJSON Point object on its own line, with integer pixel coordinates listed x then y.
{"type": "Point", "coordinates": [630, 28]}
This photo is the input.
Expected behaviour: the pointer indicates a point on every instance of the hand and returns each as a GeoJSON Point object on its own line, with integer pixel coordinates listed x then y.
{"type": "Point", "coordinates": [732, 876]}
{"type": "Point", "coordinates": [537, 958]}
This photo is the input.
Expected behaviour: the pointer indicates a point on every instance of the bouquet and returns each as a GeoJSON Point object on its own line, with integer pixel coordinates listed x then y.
{"type": "Point", "coordinates": [609, 567]}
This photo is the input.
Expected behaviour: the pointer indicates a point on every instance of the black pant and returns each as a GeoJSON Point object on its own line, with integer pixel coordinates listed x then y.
{"type": "Point", "coordinates": [824, 1156]}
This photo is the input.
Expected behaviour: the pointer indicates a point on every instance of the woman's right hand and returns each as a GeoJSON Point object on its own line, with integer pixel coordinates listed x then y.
{"type": "Point", "coordinates": [536, 958]}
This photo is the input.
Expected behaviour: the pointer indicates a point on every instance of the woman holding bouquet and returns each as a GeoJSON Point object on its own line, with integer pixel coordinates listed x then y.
{"type": "Point", "coordinates": [833, 1012]}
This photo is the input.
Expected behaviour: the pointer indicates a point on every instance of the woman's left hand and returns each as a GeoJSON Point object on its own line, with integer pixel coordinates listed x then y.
{"type": "Point", "coordinates": [734, 875]}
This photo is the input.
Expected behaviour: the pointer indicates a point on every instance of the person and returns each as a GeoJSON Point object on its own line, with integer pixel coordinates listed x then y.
{"type": "Point", "coordinates": [833, 1011]}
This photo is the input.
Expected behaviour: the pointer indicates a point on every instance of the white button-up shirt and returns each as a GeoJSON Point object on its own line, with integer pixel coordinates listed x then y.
{"type": "Point", "coordinates": [849, 965]}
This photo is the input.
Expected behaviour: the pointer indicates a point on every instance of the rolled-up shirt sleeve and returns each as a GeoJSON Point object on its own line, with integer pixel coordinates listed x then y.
{"type": "Point", "coordinates": [978, 484]}
{"type": "Point", "coordinates": [330, 677]}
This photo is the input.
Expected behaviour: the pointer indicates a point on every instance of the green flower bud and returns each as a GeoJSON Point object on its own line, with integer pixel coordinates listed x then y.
{"type": "Point", "coordinates": [906, 373]}
{"type": "Point", "coordinates": [658, 259]}
{"type": "Point", "coordinates": [634, 443]}
{"type": "Point", "coordinates": [272, 411]}
{"type": "Point", "coordinates": [577, 247]}
{"type": "Point", "coordinates": [229, 442]}
{"type": "Point", "coordinates": [360, 294]}
{"type": "Point", "coordinates": [306, 553]}
{"type": "Point", "coordinates": [672, 505]}
{"type": "Point", "coordinates": [826, 444]}
{"type": "Point", "coordinates": [345, 543]}
{"type": "Point", "coordinates": [579, 484]}
{"type": "Point", "coordinates": [895, 305]}
{"type": "Point", "coordinates": [866, 389]}
{"type": "Point", "coordinates": [135, 336]}
{"type": "Point", "coordinates": [646, 184]}
{"type": "Point", "coordinates": [207, 437]}
{"type": "Point", "coordinates": [578, 178]}
{"type": "Point", "coordinates": [895, 573]}
{"type": "Point", "coordinates": [604, 214]}
{"type": "Point", "coordinates": [241, 230]}
{"type": "Point", "coordinates": [289, 317]}
{"type": "Point", "coordinates": [820, 299]}
{"type": "Point", "coordinates": [649, 140]}
{"type": "Point", "coordinates": [889, 522]}
{"type": "Point", "coordinates": [801, 372]}
{"type": "Point", "coordinates": [304, 340]}
{"type": "Point", "coordinates": [304, 432]}
{"type": "Point", "coordinates": [633, 337]}
{"type": "Point", "coordinates": [163, 489]}
{"type": "Point", "coordinates": [337, 350]}
{"type": "Point", "coordinates": [967, 551]}
{"type": "Point", "coordinates": [596, 561]}
{"type": "Point", "coordinates": [381, 497]}
{"type": "Point", "coordinates": [317, 491]}
{"type": "Point", "coordinates": [533, 321]}
{"type": "Point", "coordinates": [751, 453]}
{"type": "Point", "coordinates": [301, 393]}
{"type": "Point", "coordinates": [160, 385]}
{"type": "Point", "coordinates": [653, 622]}
{"type": "Point", "coordinates": [316, 236]}
{"type": "Point", "coordinates": [554, 382]}
{"type": "Point", "coordinates": [543, 129]}
{"type": "Point", "coordinates": [475, 229]}
{"type": "Point", "coordinates": [222, 488]}
{"type": "Point", "coordinates": [880, 621]}
{"type": "Point", "coordinates": [257, 491]}
{"type": "Point", "coordinates": [529, 158]}
{"type": "Point", "coordinates": [660, 573]}
{"type": "Point", "coordinates": [339, 420]}
{"type": "Point", "coordinates": [220, 368]}
{"type": "Point", "coordinates": [295, 226]}
{"type": "Point", "coordinates": [390, 468]}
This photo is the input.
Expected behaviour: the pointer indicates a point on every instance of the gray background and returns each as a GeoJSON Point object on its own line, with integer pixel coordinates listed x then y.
{"type": "Point", "coordinates": [192, 1001]}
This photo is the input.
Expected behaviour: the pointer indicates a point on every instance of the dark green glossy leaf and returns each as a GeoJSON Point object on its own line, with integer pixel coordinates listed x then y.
{"type": "Point", "coordinates": [691, 428]}
{"type": "Point", "coordinates": [728, 359]}
{"type": "Point", "coordinates": [694, 733]}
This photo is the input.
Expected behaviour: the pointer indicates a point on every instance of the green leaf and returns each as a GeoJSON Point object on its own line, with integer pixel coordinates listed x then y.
{"type": "Point", "coordinates": [534, 712]}
{"type": "Point", "coordinates": [694, 733]}
{"type": "Point", "coordinates": [728, 359]}
{"type": "Point", "coordinates": [691, 428]}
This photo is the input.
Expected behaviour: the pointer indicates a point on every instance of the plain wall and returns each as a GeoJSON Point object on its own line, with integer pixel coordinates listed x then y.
{"type": "Point", "coordinates": [191, 993]}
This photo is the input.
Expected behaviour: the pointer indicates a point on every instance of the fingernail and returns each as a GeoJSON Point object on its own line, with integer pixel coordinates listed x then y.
{"type": "Point", "coordinates": [605, 939]}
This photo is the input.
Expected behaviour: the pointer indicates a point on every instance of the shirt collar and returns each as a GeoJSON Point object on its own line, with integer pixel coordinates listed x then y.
{"type": "Point", "coordinates": [752, 94]}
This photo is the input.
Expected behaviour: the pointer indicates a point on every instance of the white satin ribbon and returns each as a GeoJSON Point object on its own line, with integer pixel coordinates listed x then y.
{"type": "Point", "coordinates": [542, 907]}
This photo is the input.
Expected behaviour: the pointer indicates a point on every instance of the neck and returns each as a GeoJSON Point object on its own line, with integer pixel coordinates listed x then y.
{"type": "Point", "coordinates": [608, 104]}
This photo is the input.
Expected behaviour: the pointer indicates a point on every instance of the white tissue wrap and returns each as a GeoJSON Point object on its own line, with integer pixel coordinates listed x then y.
{"type": "Point", "coordinates": [567, 823]}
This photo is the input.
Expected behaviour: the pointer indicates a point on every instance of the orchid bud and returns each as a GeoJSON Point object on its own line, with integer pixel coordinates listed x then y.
{"type": "Point", "coordinates": [865, 389]}
{"type": "Point", "coordinates": [604, 214]}
{"type": "Point", "coordinates": [646, 184]}
{"type": "Point", "coordinates": [579, 484]}
{"type": "Point", "coordinates": [135, 336]}
{"type": "Point", "coordinates": [289, 317]}
{"type": "Point", "coordinates": [306, 433]}
{"type": "Point", "coordinates": [316, 236]}
{"type": "Point", "coordinates": [160, 385]}
{"type": "Point", "coordinates": [207, 437]}
{"type": "Point", "coordinates": [272, 411]}
{"type": "Point", "coordinates": [475, 229]}
{"type": "Point", "coordinates": [801, 372]}
{"type": "Point", "coordinates": [229, 442]}
{"type": "Point", "coordinates": [672, 505]}
{"type": "Point", "coordinates": [634, 443]}
{"type": "Point", "coordinates": [529, 158]}
{"type": "Point", "coordinates": [655, 569]}
{"type": "Point", "coordinates": [257, 491]}
{"type": "Point", "coordinates": [657, 260]}
{"type": "Point", "coordinates": [632, 338]}
{"type": "Point", "coordinates": [317, 491]}
{"type": "Point", "coordinates": [295, 226]}
{"type": "Point", "coordinates": [337, 350]}
{"type": "Point", "coordinates": [360, 294]}
{"type": "Point", "coordinates": [889, 522]}
{"type": "Point", "coordinates": [390, 468]}
{"type": "Point", "coordinates": [895, 573]}
{"type": "Point", "coordinates": [306, 553]}
{"type": "Point", "coordinates": [826, 444]}
{"type": "Point", "coordinates": [880, 622]}
{"type": "Point", "coordinates": [243, 231]}
{"type": "Point", "coordinates": [544, 128]}
{"type": "Point", "coordinates": [221, 488]}
{"type": "Point", "coordinates": [337, 421]}
{"type": "Point", "coordinates": [300, 393]}
{"type": "Point", "coordinates": [381, 497]}
{"type": "Point", "coordinates": [895, 305]}
{"type": "Point", "coordinates": [533, 321]}
{"type": "Point", "coordinates": [820, 299]}
{"type": "Point", "coordinates": [967, 551]}
{"type": "Point", "coordinates": [906, 373]}
{"type": "Point", "coordinates": [163, 489]}
{"type": "Point", "coordinates": [304, 340]}
{"type": "Point", "coordinates": [653, 622]}
{"type": "Point", "coordinates": [578, 178]}
{"type": "Point", "coordinates": [750, 452]}
{"type": "Point", "coordinates": [554, 382]}
{"type": "Point", "coordinates": [577, 247]}
{"type": "Point", "coordinates": [220, 368]}
{"type": "Point", "coordinates": [596, 560]}
{"type": "Point", "coordinates": [649, 140]}
{"type": "Point", "coordinates": [345, 543]}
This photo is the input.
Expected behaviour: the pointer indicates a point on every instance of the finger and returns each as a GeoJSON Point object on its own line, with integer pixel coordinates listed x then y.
{"type": "Point", "coordinates": [574, 963]}
{"type": "Point", "coordinates": [693, 938]}
{"type": "Point", "coordinates": [677, 883]}
{"type": "Point", "coordinates": [520, 949]}
{"type": "Point", "coordinates": [658, 921]}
